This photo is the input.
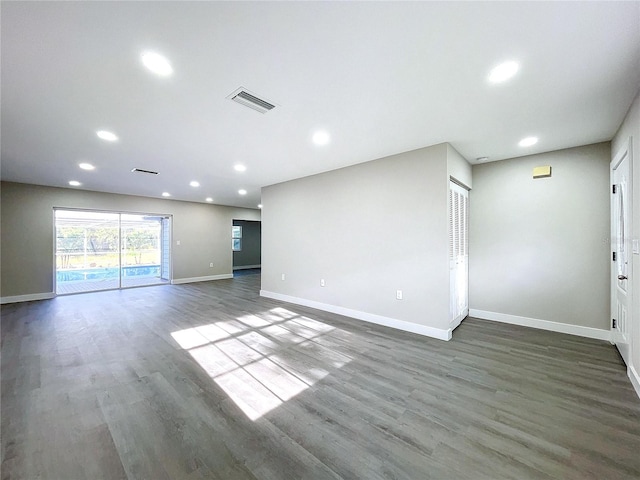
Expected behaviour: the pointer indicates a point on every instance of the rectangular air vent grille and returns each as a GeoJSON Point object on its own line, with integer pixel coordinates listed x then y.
{"type": "Point", "coordinates": [141, 170]}
{"type": "Point", "coordinates": [243, 97]}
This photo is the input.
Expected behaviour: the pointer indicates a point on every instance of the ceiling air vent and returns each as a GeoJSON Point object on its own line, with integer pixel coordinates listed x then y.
{"type": "Point", "coordinates": [251, 100]}
{"type": "Point", "coordinates": [140, 170]}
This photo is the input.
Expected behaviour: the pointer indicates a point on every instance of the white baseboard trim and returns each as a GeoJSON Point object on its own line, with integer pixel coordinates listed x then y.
{"type": "Point", "coordinates": [635, 379]}
{"type": "Point", "coordinates": [27, 298]}
{"type": "Point", "coordinates": [247, 267]}
{"type": "Point", "coordinates": [440, 334]}
{"type": "Point", "coordinates": [208, 278]}
{"type": "Point", "coordinates": [578, 330]}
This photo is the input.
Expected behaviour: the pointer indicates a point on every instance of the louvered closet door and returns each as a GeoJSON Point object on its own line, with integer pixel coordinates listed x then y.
{"type": "Point", "coordinates": [458, 253]}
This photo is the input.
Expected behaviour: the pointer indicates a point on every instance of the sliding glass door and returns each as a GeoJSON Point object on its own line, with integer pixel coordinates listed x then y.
{"type": "Point", "coordinates": [141, 239]}
{"type": "Point", "coordinates": [109, 250]}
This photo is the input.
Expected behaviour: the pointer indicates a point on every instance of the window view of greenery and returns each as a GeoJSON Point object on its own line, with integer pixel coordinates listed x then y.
{"type": "Point", "coordinates": [141, 244]}
{"type": "Point", "coordinates": [80, 247]}
{"type": "Point", "coordinates": [93, 241]}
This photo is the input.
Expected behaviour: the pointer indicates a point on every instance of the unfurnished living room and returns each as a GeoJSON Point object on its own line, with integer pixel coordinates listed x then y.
{"type": "Point", "coordinates": [320, 240]}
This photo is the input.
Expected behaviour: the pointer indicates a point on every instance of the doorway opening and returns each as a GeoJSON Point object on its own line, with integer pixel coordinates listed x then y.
{"type": "Point", "coordinates": [110, 250]}
{"type": "Point", "coordinates": [246, 245]}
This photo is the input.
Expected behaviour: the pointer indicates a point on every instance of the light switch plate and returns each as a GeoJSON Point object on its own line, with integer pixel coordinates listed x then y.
{"type": "Point", "coordinates": [636, 247]}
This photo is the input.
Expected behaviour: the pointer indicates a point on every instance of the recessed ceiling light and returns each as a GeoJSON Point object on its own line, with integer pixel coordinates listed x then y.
{"type": "Point", "coordinates": [242, 191]}
{"type": "Point", "coordinates": [259, 205]}
{"type": "Point", "coordinates": [86, 166]}
{"type": "Point", "coordinates": [74, 183]}
{"type": "Point", "coordinates": [321, 138]}
{"type": "Point", "coordinates": [239, 168]}
{"type": "Point", "coordinates": [157, 63]}
{"type": "Point", "coordinates": [166, 194]}
{"type": "Point", "coordinates": [209, 199]}
{"type": "Point", "coordinates": [108, 136]}
{"type": "Point", "coordinates": [193, 183]}
{"type": "Point", "coordinates": [527, 142]}
{"type": "Point", "coordinates": [503, 72]}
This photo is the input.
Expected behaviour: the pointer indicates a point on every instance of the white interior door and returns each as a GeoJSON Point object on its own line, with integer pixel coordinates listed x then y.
{"type": "Point", "coordinates": [458, 254]}
{"type": "Point", "coordinates": [621, 251]}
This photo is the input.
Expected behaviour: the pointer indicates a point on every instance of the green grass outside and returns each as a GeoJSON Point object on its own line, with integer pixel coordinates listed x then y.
{"type": "Point", "coordinates": [105, 260]}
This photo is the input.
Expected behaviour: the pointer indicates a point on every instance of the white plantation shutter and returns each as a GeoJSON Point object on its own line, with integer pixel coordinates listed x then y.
{"type": "Point", "coordinates": [451, 221]}
{"type": "Point", "coordinates": [454, 228]}
{"type": "Point", "coordinates": [165, 263]}
{"type": "Point", "coordinates": [458, 223]}
{"type": "Point", "coordinates": [465, 224]}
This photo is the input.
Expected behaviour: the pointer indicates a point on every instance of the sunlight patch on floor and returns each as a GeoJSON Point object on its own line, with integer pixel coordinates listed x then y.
{"type": "Point", "coordinates": [261, 361]}
{"type": "Point", "coordinates": [189, 338]}
{"type": "Point", "coordinates": [253, 321]}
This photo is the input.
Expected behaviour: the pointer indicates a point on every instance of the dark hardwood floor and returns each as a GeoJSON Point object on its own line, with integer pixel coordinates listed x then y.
{"type": "Point", "coordinates": [209, 380]}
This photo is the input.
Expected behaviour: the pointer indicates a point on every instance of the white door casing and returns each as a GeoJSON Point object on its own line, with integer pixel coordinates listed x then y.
{"type": "Point", "coordinates": [621, 271]}
{"type": "Point", "coordinates": [458, 254]}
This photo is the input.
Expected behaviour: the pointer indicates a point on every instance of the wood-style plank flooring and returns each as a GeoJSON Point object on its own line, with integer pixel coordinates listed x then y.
{"type": "Point", "coordinates": [209, 380]}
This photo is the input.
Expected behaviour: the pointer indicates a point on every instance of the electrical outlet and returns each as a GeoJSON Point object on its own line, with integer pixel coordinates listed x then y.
{"type": "Point", "coordinates": [322, 282]}
{"type": "Point", "coordinates": [283, 276]}
{"type": "Point", "coordinates": [211, 265]}
{"type": "Point", "coordinates": [177, 242]}
{"type": "Point", "coordinates": [398, 294]}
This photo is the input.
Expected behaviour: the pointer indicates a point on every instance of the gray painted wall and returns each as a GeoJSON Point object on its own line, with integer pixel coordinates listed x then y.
{"type": "Point", "coordinates": [251, 244]}
{"type": "Point", "coordinates": [540, 248]}
{"type": "Point", "coordinates": [631, 128]}
{"type": "Point", "coordinates": [368, 230]}
{"type": "Point", "coordinates": [27, 247]}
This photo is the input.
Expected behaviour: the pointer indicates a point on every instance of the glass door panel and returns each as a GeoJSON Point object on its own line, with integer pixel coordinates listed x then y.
{"type": "Point", "coordinates": [141, 250]}
{"type": "Point", "coordinates": [87, 251]}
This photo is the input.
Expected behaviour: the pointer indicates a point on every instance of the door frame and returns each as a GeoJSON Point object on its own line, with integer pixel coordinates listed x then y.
{"type": "Point", "coordinates": [456, 320]}
{"type": "Point", "coordinates": [119, 212]}
{"type": "Point", "coordinates": [620, 155]}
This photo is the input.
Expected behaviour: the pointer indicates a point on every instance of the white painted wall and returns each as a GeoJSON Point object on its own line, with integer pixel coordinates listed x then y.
{"type": "Point", "coordinates": [539, 248]}
{"type": "Point", "coordinates": [27, 247]}
{"type": "Point", "coordinates": [367, 230]}
{"type": "Point", "coordinates": [458, 168]}
{"type": "Point", "coordinates": [630, 127]}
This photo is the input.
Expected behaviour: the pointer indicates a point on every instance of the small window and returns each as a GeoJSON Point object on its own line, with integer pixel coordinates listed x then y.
{"type": "Point", "coordinates": [236, 238]}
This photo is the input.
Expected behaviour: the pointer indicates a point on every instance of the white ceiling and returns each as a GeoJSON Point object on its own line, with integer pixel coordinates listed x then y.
{"type": "Point", "coordinates": [380, 77]}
